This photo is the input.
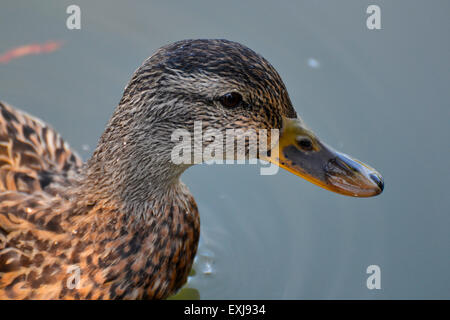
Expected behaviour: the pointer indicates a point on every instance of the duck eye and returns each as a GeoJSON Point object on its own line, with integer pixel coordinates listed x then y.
{"type": "Point", "coordinates": [305, 143]}
{"type": "Point", "coordinates": [230, 100]}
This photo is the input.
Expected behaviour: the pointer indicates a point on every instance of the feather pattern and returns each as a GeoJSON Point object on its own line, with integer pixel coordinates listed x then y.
{"type": "Point", "coordinates": [32, 155]}
{"type": "Point", "coordinates": [46, 240]}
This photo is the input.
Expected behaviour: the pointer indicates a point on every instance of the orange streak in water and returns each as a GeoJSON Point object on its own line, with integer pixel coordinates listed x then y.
{"type": "Point", "coordinates": [21, 51]}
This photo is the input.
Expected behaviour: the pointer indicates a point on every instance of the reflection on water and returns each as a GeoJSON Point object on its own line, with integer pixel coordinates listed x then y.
{"type": "Point", "coordinates": [204, 261]}
{"type": "Point", "coordinates": [383, 95]}
{"type": "Point", "coordinates": [313, 63]}
{"type": "Point", "coordinates": [202, 270]}
{"type": "Point", "coordinates": [187, 292]}
{"type": "Point", "coordinates": [30, 49]}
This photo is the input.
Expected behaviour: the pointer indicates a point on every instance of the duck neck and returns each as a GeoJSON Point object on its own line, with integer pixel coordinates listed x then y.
{"type": "Point", "coordinates": [131, 165]}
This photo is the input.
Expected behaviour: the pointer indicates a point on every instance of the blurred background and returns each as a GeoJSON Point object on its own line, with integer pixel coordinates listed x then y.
{"type": "Point", "coordinates": [379, 95]}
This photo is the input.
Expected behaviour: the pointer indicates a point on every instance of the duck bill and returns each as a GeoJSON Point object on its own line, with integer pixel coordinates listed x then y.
{"type": "Point", "coordinates": [299, 151]}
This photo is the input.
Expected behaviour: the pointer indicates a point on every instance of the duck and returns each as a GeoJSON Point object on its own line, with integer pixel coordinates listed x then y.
{"type": "Point", "coordinates": [122, 225]}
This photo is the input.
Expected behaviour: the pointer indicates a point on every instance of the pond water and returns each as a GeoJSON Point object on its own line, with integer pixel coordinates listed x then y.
{"type": "Point", "coordinates": [380, 95]}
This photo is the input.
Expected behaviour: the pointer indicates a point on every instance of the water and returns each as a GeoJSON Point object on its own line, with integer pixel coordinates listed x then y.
{"type": "Point", "coordinates": [381, 96]}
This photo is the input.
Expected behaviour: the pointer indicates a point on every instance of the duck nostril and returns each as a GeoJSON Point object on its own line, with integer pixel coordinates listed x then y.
{"type": "Point", "coordinates": [304, 143]}
{"type": "Point", "coordinates": [378, 180]}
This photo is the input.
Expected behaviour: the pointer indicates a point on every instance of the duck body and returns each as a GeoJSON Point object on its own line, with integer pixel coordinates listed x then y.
{"type": "Point", "coordinates": [52, 247]}
{"type": "Point", "coordinates": [123, 225]}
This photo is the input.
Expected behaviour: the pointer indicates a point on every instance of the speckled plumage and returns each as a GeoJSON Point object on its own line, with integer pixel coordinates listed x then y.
{"type": "Point", "coordinates": [124, 218]}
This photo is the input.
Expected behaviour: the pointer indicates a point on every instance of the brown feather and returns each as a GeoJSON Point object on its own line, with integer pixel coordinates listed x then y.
{"type": "Point", "coordinates": [43, 233]}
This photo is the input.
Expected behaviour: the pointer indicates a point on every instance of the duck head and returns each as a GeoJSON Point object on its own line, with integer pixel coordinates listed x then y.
{"type": "Point", "coordinates": [223, 85]}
